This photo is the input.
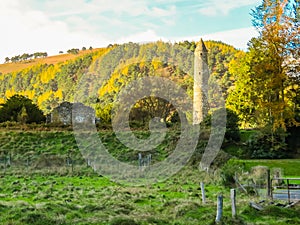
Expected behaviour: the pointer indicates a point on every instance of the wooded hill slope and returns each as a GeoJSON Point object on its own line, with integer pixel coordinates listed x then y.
{"type": "Point", "coordinates": [18, 66]}
{"type": "Point", "coordinates": [104, 72]}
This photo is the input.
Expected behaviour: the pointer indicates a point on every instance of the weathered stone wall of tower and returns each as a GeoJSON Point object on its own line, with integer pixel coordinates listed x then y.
{"type": "Point", "coordinates": [201, 77]}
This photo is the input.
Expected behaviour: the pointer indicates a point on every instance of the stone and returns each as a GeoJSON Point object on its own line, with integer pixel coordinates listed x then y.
{"type": "Point", "coordinates": [62, 114]}
{"type": "Point", "coordinates": [67, 113]}
{"type": "Point", "coordinates": [83, 114]}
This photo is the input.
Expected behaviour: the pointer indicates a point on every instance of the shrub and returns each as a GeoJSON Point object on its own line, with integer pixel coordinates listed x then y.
{"type": "Point", "coordinates": [38, 219]}
{"type": "Point", "coordinates": [123, 221]}
{"type": "Point", "coordinates": [232, 120]}
{"type": "Point", "coordinates": [266, 146]}
{"type": "Point", "coordinates": [21, 109]}
{"type": "Point", "coordinates": [232, 128]}
{"type": "Point", "coordinates": [229, 171]}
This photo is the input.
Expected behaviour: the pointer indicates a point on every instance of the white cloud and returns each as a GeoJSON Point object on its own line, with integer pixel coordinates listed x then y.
{"type": "Point", "coordinates": [30, 31]}
{"type": "Point", "coordinates": [54, 25]}
{"type": "Point", "coordinates": [209, 11]}
{"type": "Point", "coordinates": [237, 37]}
{"type": "Point", "coordinates": [216, 7]}
{"type": "Point", "coordinates": [133, 8]}
{"type": "Point", "coordinates": [158, 12]}
{"type": "Point", "coordinates": [147, 36]}
{"type": "Point", "coordinates": [129, 7]}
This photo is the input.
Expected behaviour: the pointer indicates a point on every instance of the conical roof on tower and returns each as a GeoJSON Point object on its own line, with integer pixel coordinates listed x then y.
{"type": "Point", "coordinates": [201, 46]}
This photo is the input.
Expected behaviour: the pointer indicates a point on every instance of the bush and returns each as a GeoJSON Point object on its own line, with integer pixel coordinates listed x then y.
{"type": "Point", "coordinates": [123, 221]}
{"type": "Point", "coordinates": [266, 146]}
{"type": "Point", "coordinates": [232, 120]}
{"type": "Point", "coordinates": [232, 128]}
{"type": "Point", "coordinates": [74, 51]}
{"type": "Point", "coordinates": [38, 219]}
{"type": "Point", "coordinates": [228, 172]}
{"type": "Point", "coordinates": [21, 109]}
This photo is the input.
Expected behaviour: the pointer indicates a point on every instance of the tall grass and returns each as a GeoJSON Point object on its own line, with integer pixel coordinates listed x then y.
{"type": "Point", "coordinates": [56, 195]}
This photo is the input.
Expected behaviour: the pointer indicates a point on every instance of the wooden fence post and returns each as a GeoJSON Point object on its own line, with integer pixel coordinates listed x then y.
{"type": "Point", "coordinates": [140, 161]}
{"type": "Point", "coordinates": [219, 208]}
{"type": "Point", "coordinates": [72, 163]}
{"type": "Point", "coordinates": [203, 193]}
{"type": "Point", "coordinates": [233, 202]}
{"type": "Point", "coordinates": [27, 162]}
{"type": "Point", "coordinates": [269, 186]}
{"type": "Point", "coordinates": [288, 187]}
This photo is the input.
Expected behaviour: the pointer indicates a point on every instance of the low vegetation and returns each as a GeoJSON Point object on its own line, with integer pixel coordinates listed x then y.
{"type": "Point", "coordinates": [40, 187]}
{"type": "Point", "coordinates": [87, 198]}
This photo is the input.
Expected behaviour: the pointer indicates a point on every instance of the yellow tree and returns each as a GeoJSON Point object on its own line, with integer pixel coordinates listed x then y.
{"type": "Point", "coordinates": [266, 89]}
{"type": "Point", "coordinates": [240, 97]}
{"type": "Point", "coordinates": [271, 53]}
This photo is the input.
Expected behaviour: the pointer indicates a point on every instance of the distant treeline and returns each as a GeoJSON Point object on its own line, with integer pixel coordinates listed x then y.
{"type": "Point", "coordinates": [75, 51]}
{"type": "Point", "coordinates": [36, 55]}
{"type": "Point", "coordinates": [26, 56]}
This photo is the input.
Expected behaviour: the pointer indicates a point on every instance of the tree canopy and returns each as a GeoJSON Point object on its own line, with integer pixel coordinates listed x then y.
{"type": "Point", "coordinates": [20, 109]}
{"type": "Point", "coordinates": [265, 89]}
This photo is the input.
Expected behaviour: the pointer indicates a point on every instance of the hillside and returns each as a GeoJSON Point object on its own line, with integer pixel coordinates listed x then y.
{"type": "Point", "coordinates": [18, 66]}
{"type": "Point", "coordinates": [55, 79]}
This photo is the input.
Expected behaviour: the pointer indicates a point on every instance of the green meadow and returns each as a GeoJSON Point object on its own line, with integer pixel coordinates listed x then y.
{"type": "Point", "coordinates": [57, 194]}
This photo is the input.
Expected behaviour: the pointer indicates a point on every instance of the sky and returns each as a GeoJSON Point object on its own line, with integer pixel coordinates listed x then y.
{"type": "Point", "coordinates": [51, 26]}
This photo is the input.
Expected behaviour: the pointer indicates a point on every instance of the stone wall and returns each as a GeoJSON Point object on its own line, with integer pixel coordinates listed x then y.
{"type": "Point", "coordinates": [62, 114]}
{"type": "Point", "coordinates": [66, 112]}
{"type": "Point", "coordinates": [83, 114]}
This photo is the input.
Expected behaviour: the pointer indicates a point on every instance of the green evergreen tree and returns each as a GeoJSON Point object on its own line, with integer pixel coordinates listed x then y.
{"type": "Point", "coordinates": [20, 109]}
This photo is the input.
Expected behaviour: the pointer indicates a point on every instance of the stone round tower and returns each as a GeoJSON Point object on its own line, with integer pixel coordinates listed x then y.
{"type": "Point", "coordinates": [201, 76]}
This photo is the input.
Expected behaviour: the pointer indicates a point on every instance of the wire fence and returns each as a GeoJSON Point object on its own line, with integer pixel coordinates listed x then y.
{"type": "Point", "coordinates": [45, 163]}
{"type": "Point", "coordinates": [286, 189]}
{"type": "Point", "coordinates": [56, 163]}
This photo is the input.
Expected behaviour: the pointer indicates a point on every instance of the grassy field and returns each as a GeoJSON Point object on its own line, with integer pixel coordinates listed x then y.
{"type": "Point", "coordinates": [35, 144]}
{"type": "Point", "coordinates": [56, 195]}
{"type": "Point", "coordinates": [290, 167]}
{"type": "Point", "coordinates": [91, 199]}
{"type": "Point", "coordinates": [12, 67]}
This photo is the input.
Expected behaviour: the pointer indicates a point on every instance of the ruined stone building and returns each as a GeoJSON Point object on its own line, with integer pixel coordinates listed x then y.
{"type": "Point", "coordinates": [66, 111]}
